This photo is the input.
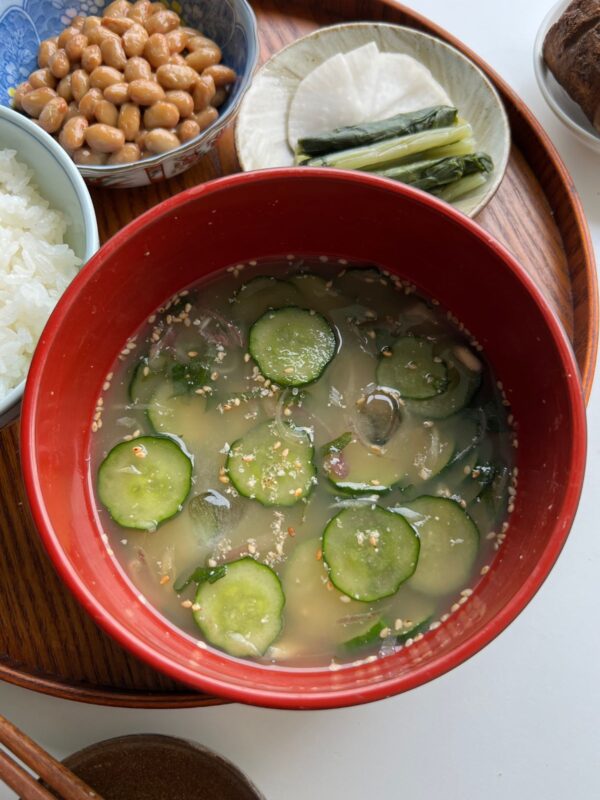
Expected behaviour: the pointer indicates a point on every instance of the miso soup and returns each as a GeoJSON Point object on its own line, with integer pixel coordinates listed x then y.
{"type": "Point", "coordinates": [303, 462]}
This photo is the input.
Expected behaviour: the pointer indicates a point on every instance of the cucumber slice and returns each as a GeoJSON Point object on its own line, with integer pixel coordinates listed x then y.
{"type": "Point", "coordinates": [475, 482]}
{"type": "Point", "coordinates": [262, 293]}
{"type": "Point", "coordinates": [175, 414]}
{"type": "Point", "coordinates": [462, 385]}
{"type": "Point", "coordinates": [449, 544]}
{"type": "Point", "coordinates": [368, 553]}
{"type": "Point", "coordinates": [374, 635]}
{"type": "Point", "coordinates": [145, 481]}
{"type": "Point", "coordinates": [314, 612]}
{"type": "Point", "coordinates": [319, 293]}
{"type": "Point", "coordinates": [409, 612]}
{"type": "Point", "coordinates": [367, 285]}
{"type": "Point", "coordinates": [412, 370]}
{"type": "Point", "coordinates": [144, 382]}
{"type": "Point", "coordinates": [241, 612]}
{"type": "Point", "coordinates": [272, 464]}
{"type": "Point", "coordinates": [418, 627]}
{"type": "Point", "coordinates": [413, 455]}
{"type": "Point", "coordinates": [205, 517]}
{"type": "Point", "coordinates": [364, 640]}
{"type": "Point", "coordinates": [489, 507]}
{"type": "Point", "coordinates": [291, 345]}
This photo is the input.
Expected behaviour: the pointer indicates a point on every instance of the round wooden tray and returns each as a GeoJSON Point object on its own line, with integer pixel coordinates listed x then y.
{"type": "Point", "coordinates": [47, 642]}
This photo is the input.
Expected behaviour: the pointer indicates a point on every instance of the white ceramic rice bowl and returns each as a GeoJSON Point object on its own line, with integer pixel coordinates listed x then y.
{"type": "Point", "coordinates": [59, 181]}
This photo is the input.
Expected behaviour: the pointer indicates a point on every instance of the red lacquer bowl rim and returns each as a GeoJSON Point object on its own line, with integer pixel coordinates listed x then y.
{"type": "Point", "coordinates": [287, 697]}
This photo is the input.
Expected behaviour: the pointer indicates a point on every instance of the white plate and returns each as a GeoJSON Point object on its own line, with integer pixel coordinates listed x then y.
{"type": "Point", "coordinates": [262, 123]}
{"type": "Point", "coordinates": [567, 110]}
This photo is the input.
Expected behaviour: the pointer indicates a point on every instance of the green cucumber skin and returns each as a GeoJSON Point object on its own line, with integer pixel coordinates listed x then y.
{"type": "Point", "coordinates": [365, 640]}
{"type": "Point", "coordinates": [142, 441]}
{"type": "Point", "coordinates": [279, 379]}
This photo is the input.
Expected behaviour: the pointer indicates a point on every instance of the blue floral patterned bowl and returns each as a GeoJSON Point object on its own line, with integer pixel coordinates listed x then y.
{"type": "Point", "coordinates": [231, 23]}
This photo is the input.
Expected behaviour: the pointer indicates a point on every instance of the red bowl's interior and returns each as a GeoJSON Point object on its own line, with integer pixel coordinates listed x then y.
{"type": "Point", "coordinates": [306, 212]}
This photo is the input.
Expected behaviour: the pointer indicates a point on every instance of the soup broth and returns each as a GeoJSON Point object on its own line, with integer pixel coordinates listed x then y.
{"type": "Point", "coordinates": [303, 461]}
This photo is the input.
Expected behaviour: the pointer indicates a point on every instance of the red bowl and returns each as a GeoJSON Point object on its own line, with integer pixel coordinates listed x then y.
{"type": "Point", "coordinates": [309, 212]}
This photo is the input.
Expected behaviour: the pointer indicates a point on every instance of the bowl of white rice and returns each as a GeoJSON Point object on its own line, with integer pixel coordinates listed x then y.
{"type": "Point", "coordinates": [48, 231]}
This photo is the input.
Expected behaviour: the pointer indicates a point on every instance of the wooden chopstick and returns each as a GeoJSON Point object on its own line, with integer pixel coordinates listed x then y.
{"type": "Point", "coordinates": [20, 781]}
{"type": "Point", "coordinates": [55, 774]}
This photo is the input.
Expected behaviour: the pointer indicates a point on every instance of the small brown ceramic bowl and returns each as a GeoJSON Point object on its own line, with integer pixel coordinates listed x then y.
{"type": "Point", "coordinates": [153, 767]}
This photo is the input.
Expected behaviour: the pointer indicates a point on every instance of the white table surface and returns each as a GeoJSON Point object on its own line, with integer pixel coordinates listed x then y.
{"type": "Point", "coordinates": [520, 720]}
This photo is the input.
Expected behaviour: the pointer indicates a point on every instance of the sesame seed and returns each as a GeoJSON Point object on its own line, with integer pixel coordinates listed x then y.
{"type": "Point", "coordinates": [94, 427]}
{"type": "Point", "coordinates": [186, 604]}
{"type": "Point", "coordinates": [386, 353]}
{"type": "Point", "coordinates": [214, 376]}
{"type": "Point", "coordinates": [298, 492]}
{"type": "Point", "coordinates": [466, 592]}
{"type": "Point", "coordinates": [211, 562]}
{"type": "Point", "coordinates": [285, 453]}
{"type": "Point", "coordinates": [106, 386]}
{"type": "Point", "coordinates": [319, 554]}
{"type": "Point", "coordinates": [384, 633]}
{"type": "Point", "coordinates": [291, 531]}
{"type": "Point", "coordinates": [288, 370]}
{"type": "Point", "coordinates": [196, 607]}
{"type": "Point", "coordinates": [223, 479]}
{"type": "Point", "coordinates": [287, 412]}
{"type": "Point", "coordinates": [484, 570]}
{"type": "Point", "coordinates": [146, 372]}
{"type": "Point", "coordinates": [165, 579]}
{"type": "Point", "coordinates": [374, 482]}
{"type": "Point", "coordinates": [454, 607]}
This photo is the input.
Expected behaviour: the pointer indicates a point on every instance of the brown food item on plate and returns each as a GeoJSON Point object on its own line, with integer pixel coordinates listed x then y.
{"type": "Point", "coordinates": [571, 51]}
{"type": "Point", "coordinates": [127, 85]}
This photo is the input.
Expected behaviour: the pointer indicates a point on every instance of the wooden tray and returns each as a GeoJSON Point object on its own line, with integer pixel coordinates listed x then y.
{"type": "Point", "coordinates": [47, 642]}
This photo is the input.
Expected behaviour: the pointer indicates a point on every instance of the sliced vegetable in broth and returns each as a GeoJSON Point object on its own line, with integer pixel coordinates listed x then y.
{"type": "Point", "coordinates": [303, 461]}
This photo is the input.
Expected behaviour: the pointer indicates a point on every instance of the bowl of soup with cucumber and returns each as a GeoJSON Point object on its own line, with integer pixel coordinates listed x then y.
{"type": "Point", "coordinates": [309, 446]}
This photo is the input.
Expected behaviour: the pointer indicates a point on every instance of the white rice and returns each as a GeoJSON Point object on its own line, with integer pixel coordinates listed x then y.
{"type": "Point", "coordinates": [35, 267]}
